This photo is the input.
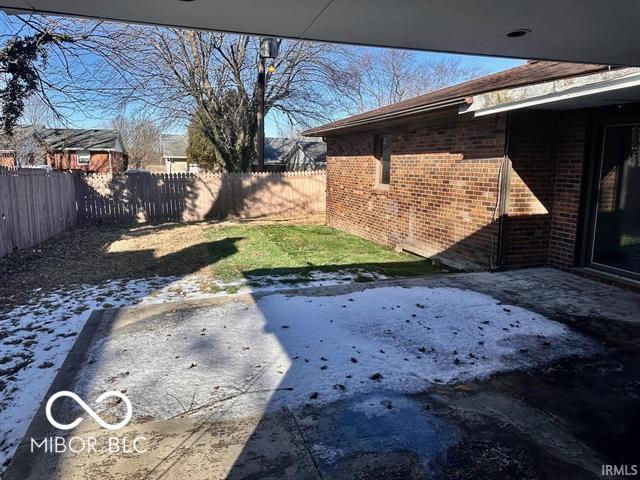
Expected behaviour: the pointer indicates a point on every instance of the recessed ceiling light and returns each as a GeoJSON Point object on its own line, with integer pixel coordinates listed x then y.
{"type": "Point", "coordinates": [517, 33]}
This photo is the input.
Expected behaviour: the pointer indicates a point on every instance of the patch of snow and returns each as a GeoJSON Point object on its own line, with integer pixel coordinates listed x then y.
{"type": "Point", "coordinates": [240, 359]}
{"type": "Point", "coordinates": [192, 286]}
{"type": "Point", "coordinates": [326, 452]}
{"type": "Point", "coordinates": [35, 338]}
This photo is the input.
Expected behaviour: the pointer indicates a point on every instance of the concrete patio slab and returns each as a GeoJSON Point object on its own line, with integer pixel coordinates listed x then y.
{"type": "Point", "coordinates": [475, 379]}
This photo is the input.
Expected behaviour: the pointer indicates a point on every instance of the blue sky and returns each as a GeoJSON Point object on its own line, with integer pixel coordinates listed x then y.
{"type": "Point", "coordinates": [94, 118]}
{"type": "Point", "coordinates": [491, 64]}
{"type": "Point", "coordinates": [487, 64]}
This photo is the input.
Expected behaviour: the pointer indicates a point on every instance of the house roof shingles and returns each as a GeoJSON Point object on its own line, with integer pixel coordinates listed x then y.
{"type": "Point", "coordinates": [317, 151]}
{"type": "Point", "coordinates": [57, 139]}
{"type": "Point", "coordinates": [277, 150]}
{"type": "Point", "coordinates": [530, 73]}
{"type": "Point", "coordinates": [20, 133]}
{"type": "Point", "coordinates": [174, 145]}
{"type": "Point", "coordinates": [80, 139]}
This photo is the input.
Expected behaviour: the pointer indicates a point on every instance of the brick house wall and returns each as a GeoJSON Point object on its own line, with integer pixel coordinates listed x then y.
{"type": "Point", "coordinates": [443, 193]}
{"type": "Point", "coordinates": [532, 151]}
{"type": "Point", "coordinates": [98, 162]}
{"type": "Point", "coordinates": [443, 196]}
{"type": "Point", "coordinates": [7, 160]}
{"type": "Point", "coordinates": [572, 138]}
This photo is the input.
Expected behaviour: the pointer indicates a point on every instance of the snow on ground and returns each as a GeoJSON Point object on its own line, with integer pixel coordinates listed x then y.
{"type": "Point", "coordinates": [239, 359]}
{"type": "Point", "coordinates": [267, 283]}
{"type": "Point", "coordinates": [36, 337]}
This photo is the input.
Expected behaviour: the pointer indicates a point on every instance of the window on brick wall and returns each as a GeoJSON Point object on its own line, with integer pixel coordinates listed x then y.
{"type": "Point", "coordinates": [84, 157]}
{"type": "Point", "coordinates": [383, 154]}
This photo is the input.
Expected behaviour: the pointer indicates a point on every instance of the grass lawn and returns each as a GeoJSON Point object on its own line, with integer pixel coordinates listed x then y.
{"type": "Point", "coordinates": [247, 250]}
{"type": "Point", "coordinates": [214, 252]}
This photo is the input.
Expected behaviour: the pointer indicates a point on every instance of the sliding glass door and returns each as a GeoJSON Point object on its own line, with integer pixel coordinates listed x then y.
{"type": "Point", "coordinates": [615, 235]}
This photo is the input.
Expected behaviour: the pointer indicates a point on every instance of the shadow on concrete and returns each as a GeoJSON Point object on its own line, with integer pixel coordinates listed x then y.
{"type": "Point", "coordinates": [531, 424]}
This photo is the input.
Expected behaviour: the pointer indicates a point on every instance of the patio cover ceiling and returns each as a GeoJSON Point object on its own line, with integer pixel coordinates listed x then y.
{"type": "Point", "coordinates": [591, 31]}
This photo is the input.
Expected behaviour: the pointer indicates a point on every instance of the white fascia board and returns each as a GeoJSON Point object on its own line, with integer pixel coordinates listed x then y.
{"type": "Point", "coordinates": [85, 150]}
{"type": "Point", "coordinates": [550, 92]}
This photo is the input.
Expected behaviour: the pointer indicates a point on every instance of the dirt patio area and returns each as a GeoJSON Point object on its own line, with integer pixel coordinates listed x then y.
{"type": "Point", "coordinates": [214, 253]}
{"type": "Point", "coordinates": [529, 374]}
{"type": "Point", "coordinates": [94, 254]}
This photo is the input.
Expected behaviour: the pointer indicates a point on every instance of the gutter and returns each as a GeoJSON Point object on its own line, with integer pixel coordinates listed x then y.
{"type": "Point", "coordinates": [88, 150]}
{"type": "Point", "coordinates": [321, 131]}
{"type": "Point", "coordinates": [603, 86]}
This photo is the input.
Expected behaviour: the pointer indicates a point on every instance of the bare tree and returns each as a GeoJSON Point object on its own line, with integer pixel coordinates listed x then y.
{"type": "Point", "coordinates": [25, 146]}
{"type": "Point", "coordinates": [37, 112]}
{"type": "Point", "coordinates": [369, 78]}
{"type": "Point", "coordinates": [174, 75]}
{"type": "Point", "coordinates": [289, 131]}
{"type": "Point", "coordinates": [51, 62]}
{"type": "Point", "coordinates": [210, 80]}
{"type": "Point", "coordinates": [141, 140]}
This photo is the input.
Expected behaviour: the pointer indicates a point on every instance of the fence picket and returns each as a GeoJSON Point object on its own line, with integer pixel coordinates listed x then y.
{"type": "Point", "coordinates": [36, 205]}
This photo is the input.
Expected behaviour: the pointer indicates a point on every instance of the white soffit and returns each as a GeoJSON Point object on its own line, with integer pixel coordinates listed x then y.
{"type": "Point", "coordinates": [591, 31]}
{"type": "Point", "coordinates": [605, 88]}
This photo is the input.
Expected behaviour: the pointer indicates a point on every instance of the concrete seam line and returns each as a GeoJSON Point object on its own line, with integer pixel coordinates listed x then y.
{"type": "Point", "coordinates": [305, 443]}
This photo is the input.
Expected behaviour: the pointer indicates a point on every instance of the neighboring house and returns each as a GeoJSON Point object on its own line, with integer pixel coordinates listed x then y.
{"type": "Point", "coordinates": [307, 155]}
{"type": "Point", "coordinates": [174, 154]}
{"type": "Point", "coordinates": [85, 150]}
{"type": "Point", "coordinates": [24, 148]}
{"type": "Point", "coordinates": [538, 165]}
{"type": "Point", "coordinates": [280, 155]}
{"type": "Point", "coordinates": [289, 154]}
{"type": "Point", "coordinates": [77, 150]}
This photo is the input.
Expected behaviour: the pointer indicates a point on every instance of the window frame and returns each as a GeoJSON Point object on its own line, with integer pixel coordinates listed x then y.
{"type": "Point", "coordinates": [586, 252]}
{"type": "Point", "coordinates": [83, 153]}
{"type": "Point", "coordinates": [379, 141]}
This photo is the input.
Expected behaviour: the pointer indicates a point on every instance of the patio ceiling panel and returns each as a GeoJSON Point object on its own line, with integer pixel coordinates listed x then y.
{"type": "Point", "coordinates": [592, 31]}
{"type": "Point", "coordinates": [287, 18]}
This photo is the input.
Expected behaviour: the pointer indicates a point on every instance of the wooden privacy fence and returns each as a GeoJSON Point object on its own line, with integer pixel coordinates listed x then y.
{"type": "Point", "coordinates": [34, 205]}
{"type": "Point", "coordinates": [145, 197]}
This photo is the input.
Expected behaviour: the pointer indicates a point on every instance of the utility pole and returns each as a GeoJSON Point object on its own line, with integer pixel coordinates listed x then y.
{"type": "Point", "coordinates": [261, 88]}
{"type": "Point", "coordinates": [268, 49]}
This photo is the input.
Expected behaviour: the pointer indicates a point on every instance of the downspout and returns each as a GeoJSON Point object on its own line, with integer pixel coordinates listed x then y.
{"type": "Point", "coordinates": [110, 162]}
{"type": "Point", "coordinates": [504, 184]}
